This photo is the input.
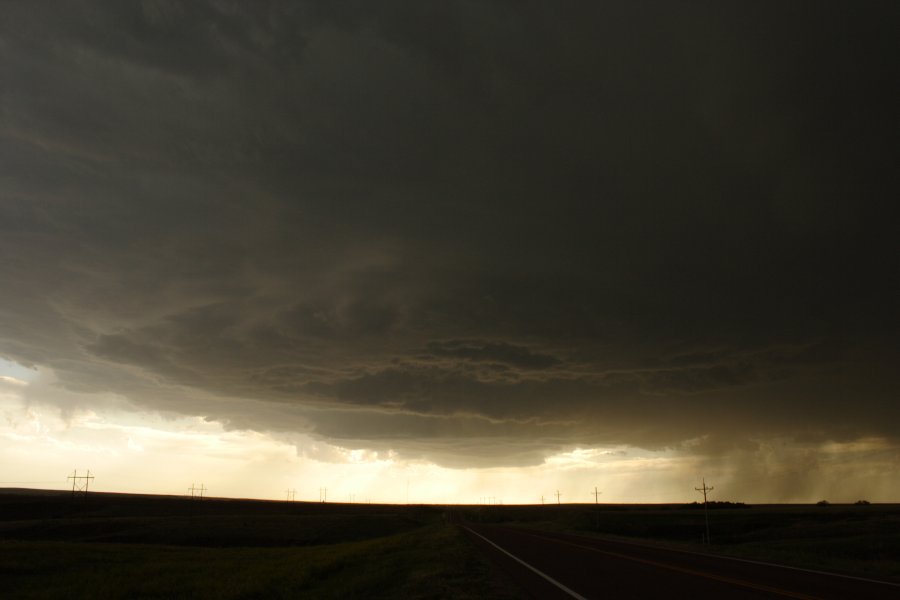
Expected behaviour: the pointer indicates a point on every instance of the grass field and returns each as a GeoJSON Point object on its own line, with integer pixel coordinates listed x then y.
{"type": "Point", "coordinates": [857, 540]}
{"type": "Point", "coordinates": [121, 546]}
{"type": "Point", "coordinates": [102, 549]}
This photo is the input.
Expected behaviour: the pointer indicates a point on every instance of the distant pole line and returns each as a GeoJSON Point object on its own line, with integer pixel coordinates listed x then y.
{"type": "Point", "coordinates": [323, 494]}
{"type": "Point", "coordinates": [557, 497]}
{"type": "Point", "coordinates": [291, 494]}
{"type": "Point", "coordinates": [80, 483]}
{"type": "Point", "coordinates": [705, 489]}
{"type": "Point", "coordinates": [197, 492]}
{"type": "Point", "coordinates": [597, 505]}
{"type": "Point", "coordinates": [57, 481]}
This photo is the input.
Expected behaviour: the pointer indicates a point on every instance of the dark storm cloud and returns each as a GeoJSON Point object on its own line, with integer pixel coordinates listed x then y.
{"type": "Point", "coordinates": [473, 232]}
{"type": "Point", "coordinates": [501, 352]}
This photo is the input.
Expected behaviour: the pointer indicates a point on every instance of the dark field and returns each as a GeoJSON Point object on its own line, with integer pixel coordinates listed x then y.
{"type": "Point", "coordinates": [123, 546]}
{"type": "Point", "coordinates": [856, 540]}
{"type": "Point", "coordinates": [127, 546]}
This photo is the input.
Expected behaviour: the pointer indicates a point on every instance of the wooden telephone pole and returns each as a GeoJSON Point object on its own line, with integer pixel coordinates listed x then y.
{"type": "Point", "coordinates": [597, 507]}
{"type": "Point", "coordinates": [705, 489]}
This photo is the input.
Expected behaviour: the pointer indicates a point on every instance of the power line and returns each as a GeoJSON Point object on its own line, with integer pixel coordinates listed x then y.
{"type": "Point", "coordinates": [80, 483]}
{"type": "Point", "coordinates": [705, 489]}
{"type": "Point", "coordinates": [291, 494]}
{"type": "Point", "coordinates": [56, 481]}
{"type": "Point", "coordinates": [197, 490]}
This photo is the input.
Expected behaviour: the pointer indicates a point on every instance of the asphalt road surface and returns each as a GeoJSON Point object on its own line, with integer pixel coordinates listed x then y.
{"type": "Point", "coordinates": [554, 565]}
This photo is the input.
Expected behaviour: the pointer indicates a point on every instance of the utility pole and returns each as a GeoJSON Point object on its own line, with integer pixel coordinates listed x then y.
{"type": "Point", "coordinates": [323, 494]}
{"type": "Point", "coordinates": [557, 497]}
{"type": "Point", "coordinates": [542, 500]}
{"type": "Point", "coordinates": [705, 489]}
{"type": "Point", "coordinates": [80, 483]}
{"type": "Point", "coordinates": [291, 494]}
{"type": "Point", "coordinates": [197, 490]}
{"type": "Point", "coordinates": [597, 506]}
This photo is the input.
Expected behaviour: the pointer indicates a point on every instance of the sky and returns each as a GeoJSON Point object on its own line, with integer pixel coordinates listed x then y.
{"type": "Point", "coordinates": [451, 251]}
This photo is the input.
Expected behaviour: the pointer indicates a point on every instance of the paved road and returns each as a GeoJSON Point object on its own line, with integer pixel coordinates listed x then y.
{"type": "Point", "coordinates": [552, 565]}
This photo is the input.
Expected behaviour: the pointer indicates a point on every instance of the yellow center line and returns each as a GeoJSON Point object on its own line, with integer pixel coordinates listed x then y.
{"type": "Point", "coordinates": [704, 574]}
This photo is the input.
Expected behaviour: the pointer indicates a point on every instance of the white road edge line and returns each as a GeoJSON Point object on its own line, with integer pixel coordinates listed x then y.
{"type": "Point", "coordinates": [801, 569]}
{"type": "Point", "coordinates": [732, 558]}
{"type": "Point", "coordinates": [572, 593]}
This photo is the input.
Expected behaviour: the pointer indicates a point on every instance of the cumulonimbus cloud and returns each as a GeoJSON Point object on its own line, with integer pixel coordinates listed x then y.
{"type": "Point", "coordinates": [453, 229]}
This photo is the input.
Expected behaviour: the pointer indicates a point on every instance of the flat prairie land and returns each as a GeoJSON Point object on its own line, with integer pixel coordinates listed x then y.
{"type": "Point", "coordinates": [133, 546]}
{"type": "Point", "coordinates": [122, 546]}
{"type": "Point", "coordinates": [858, 540]}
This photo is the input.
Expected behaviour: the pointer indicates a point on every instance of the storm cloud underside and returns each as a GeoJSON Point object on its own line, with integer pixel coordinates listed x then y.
{"type": "Point", "coordinates": [473, 233]}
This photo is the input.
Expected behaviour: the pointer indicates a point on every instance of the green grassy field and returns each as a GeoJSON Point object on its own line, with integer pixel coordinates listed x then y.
{"type": "Point", "coordinates": [430, 562]}
{"type": "Point", "coordinates": [262, 550]}
{"type": "Point", "coordinates": [120, 546]}
{"type": "Point", "coordinates": [856, 540]}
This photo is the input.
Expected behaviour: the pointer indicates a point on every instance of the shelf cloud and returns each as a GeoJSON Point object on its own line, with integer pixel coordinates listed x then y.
{"type": "Point", "coordinates": [476, 234]}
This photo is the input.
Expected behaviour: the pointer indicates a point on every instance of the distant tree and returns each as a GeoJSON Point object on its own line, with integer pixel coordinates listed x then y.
{"type": "Point", "coordinates": [862, 502]}
{"type": "Point", "coordinates": [717, 504]}
{"type": "Point", "coordinates": [823, 503]}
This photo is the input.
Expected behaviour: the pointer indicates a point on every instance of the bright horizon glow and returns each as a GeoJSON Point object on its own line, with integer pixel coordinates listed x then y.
{"type": "Point", "coordinates": [133, 451]}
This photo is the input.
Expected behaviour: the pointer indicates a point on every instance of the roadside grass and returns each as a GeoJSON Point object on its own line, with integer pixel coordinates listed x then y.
{"type": "Point", "coordinates": [873, 556]}
{"type": "Point", "coordinates": [862, 541]}
{"type": "Point", "coordinates": [432, 561]}
{"type": "Point", "coordinates": [216, 530]}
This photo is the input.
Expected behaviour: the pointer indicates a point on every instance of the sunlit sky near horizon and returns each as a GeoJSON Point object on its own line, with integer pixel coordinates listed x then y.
{"type": "Point", "coordinates": [449, 252]}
